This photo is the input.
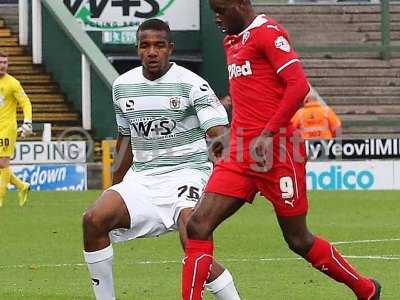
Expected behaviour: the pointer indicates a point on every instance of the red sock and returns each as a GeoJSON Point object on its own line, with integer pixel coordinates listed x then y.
{"type": "Point", "coordinates": [196, 268]}
{"type": "Point", "coordinates": [324, 257]}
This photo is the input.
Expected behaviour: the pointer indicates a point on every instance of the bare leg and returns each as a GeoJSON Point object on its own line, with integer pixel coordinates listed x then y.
{"type": "Point", "coordinates": [108, 212]}
{"type": "Point", "coordinates": [212, 211]}
{"type": "Point", "coordinates": [296, 234]}
{"type": "Point", "coordinates": [325, 257]}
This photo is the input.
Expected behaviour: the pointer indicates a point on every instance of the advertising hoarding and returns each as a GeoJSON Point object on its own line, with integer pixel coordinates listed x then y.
{"type": "Point", "coordinates": [126, 15]}
{"type": "Point", "coordinates": [353, 175]}
{"type": "Point", "coordinates": [57, 177]}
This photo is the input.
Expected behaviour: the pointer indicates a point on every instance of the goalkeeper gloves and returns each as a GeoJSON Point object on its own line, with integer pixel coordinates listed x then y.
{"type": "Point", "coordinates": [25, 129]}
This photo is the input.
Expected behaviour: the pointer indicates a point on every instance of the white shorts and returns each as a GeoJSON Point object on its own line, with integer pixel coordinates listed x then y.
{"type": "Point", "coordinates": [154, 202]}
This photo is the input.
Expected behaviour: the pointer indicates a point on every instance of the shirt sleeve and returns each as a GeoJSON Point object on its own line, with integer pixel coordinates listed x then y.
{"type": "Point", "coordinates": [209, 109]}
{"type": "Point", "coordinates": [274, 43]}
{"type": "Point", "coordinates": [23, 101]}
{"type": "Point", "coordinates": [122, 122]}
{"type": "Point", "coordinates": [297, 88]}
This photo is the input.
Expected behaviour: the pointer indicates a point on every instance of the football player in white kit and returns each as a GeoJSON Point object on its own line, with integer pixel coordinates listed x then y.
{"type": "Point", "coordinates": [164, 113]}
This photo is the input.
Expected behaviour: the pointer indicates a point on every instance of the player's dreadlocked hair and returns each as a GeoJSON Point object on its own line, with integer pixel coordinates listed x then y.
{"type": "Point", "coordinates": [3, 54]}
{"type": "Point", "coordinates": [155, 24]}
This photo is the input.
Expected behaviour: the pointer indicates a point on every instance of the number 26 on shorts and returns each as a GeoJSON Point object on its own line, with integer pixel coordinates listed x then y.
{"type": "Point", "coordinates": [192, 193]}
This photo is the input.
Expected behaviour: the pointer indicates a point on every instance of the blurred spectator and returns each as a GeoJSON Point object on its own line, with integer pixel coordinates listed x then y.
{"type": "Point", "coordinates": [316, 120]}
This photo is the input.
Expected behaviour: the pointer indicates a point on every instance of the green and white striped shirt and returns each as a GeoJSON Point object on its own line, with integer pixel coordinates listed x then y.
{"type": "Point", "coordinates": [167, 119]}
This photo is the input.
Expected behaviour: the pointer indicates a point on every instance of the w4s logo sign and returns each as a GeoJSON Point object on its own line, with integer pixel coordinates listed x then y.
{"type": "Point", "coordinates": [97, 7]}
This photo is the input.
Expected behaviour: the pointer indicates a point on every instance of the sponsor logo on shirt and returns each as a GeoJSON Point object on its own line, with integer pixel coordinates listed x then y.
{"type": "Point", "coordinates": [236, 71]}
{"type": "Point", "coordinates": [153, 128]}
{"type": "Point", "coordinates": [127, 104]}
{"type": "Point", "coordinates": [282, 43]}
{"type": "Point", "coordinates": [204, 87]}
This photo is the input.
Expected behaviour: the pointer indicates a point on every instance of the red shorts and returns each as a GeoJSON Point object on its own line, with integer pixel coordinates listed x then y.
{"type": "Point", "coordinates": [284, 184]}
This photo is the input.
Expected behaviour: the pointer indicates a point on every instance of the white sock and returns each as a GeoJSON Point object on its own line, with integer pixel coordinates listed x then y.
{"type": "Point", "coordinates": [223, 288]}
{"type": "Point", "coordinates": [100, 268]}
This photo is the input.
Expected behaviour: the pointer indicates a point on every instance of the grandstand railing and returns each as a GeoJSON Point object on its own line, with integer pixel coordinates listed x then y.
{"type": "Point", "coordinates": [385, 48]}
{"type": "Point", "coordinates": [91, 56]}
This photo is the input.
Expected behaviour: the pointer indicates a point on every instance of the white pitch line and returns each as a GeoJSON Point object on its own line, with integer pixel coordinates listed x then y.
{"type": "Point", "coordinates": [272, 259]}
{"type": "Point", "coordinates": [378, 257]}
{"type": "Point", "coordinates": [366, 241]}
{"type": "Point", "coordinates": [164, 262]}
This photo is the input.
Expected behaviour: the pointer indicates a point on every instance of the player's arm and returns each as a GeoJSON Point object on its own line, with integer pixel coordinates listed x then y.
{"type": "Point", "coordinates": [212, 116]}
{"type": "Point", "coordinates": [123, 158]}
{"type": "Point", "coordinates": [218, 138]}
{"type": "Point", "coordinates": [297, 88]}
{"type": "Point", "coordinates": [19, 94]}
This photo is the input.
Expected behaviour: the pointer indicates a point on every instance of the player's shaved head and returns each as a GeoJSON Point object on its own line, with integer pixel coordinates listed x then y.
{"type": "Point", "coordinates": [232, 16]}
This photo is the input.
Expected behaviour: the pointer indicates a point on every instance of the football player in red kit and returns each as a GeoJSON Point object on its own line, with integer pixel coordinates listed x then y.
{"type": "Point", "coordinates": [267, 86]}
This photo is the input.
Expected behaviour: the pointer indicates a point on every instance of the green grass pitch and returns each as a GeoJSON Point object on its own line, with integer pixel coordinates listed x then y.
{"type": "Point", "coordinates": [41, 250]}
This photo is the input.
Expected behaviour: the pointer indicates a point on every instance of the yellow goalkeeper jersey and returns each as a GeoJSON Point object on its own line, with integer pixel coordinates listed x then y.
{"type": "Point", "coordinates": [12, 94]}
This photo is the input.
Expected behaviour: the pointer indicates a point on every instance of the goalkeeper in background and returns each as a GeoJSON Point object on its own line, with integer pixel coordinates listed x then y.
{"type": "Point", "coordinates": [11, 94]}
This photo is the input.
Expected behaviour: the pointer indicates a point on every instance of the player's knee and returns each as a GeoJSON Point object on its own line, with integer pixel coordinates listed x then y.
{"type": "Point", "coordinates": [93, 221]}
{"type": "Point", "coordinates": [197, 228]}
